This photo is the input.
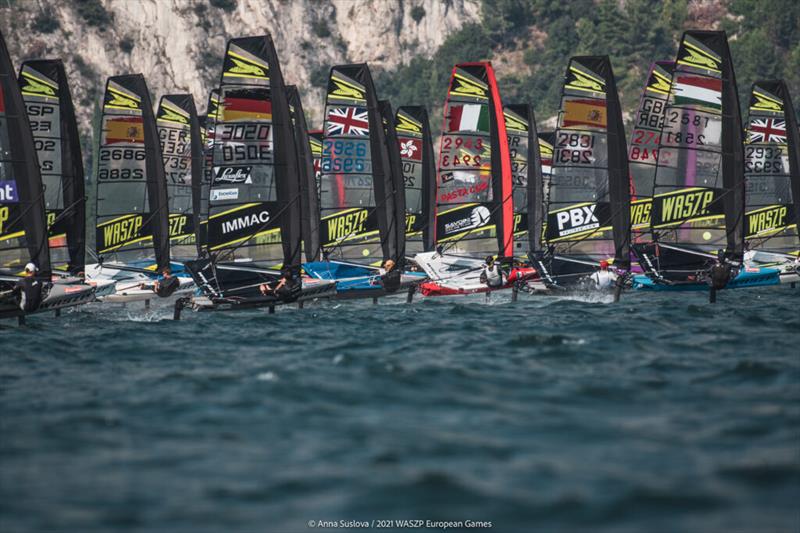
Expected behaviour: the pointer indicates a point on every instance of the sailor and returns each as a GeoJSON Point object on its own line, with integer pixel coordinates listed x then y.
{"type": "Point", "coordinates": [390, 276]}
{"type": "Point", "coordinates": [282, 289]}
{"type": "Point", "coordinates": [29, 289]}
{"type": "Point", "coordinates": [603, 279]}
{"type": "Point", "coordinates": [165, 285]}
{"type": "Point", "coordinates": [492, 275]}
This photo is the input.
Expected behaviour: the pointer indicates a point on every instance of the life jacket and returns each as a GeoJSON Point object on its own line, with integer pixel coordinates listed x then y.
{"type": "Point", "coordinates": [494, 276]}
{"type": "Point", "coordinates": [391, 280]}
{"type": "Point", "coordinates": [603, 279]}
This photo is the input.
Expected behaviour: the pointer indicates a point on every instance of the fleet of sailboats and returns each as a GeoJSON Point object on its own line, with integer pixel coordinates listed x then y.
{"type": "Point", "coordinates": [245, 206]}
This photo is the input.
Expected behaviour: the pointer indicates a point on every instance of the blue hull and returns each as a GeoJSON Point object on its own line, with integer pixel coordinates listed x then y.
{"type": "Point", "coordinates": [351, 278]}
{"type": "Point", "coordinates": [765, 277]}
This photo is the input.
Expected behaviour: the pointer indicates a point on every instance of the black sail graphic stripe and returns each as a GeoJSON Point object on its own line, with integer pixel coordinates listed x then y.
{"type": "Point", "coordinates": [397, 224]}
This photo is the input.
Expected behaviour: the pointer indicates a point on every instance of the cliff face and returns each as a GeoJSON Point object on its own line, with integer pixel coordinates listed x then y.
{"type": "Point", "coordinates": [178, 44]}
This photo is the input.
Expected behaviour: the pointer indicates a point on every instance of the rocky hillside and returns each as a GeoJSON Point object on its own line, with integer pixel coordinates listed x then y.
{"type": "Point", "coordinates": [178, 44]}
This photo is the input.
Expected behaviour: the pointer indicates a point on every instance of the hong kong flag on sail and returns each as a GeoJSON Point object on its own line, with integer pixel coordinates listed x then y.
{"type": "Point", "coordinates": [410, 149]}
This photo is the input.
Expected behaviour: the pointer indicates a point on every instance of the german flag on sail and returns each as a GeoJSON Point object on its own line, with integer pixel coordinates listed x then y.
{"type": "Point", "coordinates": [585, 112]}
{"type": "Point", "coordinates": [124, 130]}
{"type": "Point", "coordinates": [246, 109]}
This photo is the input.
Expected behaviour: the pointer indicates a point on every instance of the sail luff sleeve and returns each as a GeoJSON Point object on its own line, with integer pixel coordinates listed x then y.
{"type": "Point", "coordinates": [156, 178]}
{"type": "Point", "coordinates": [793, 141]}
{"type": "Point", "coordinates": [502, 182]}
{"type": "Point", "coordinates": [397, 187]}
{"type": "Point", "coordinates": [197, 155]}
{"type": "Point", "coordinates": [619, 173]}
{"type": "Point", "coordinates": [732, 154]}
{"type": "Point", "coordinates": [535, 187]}
{"type": "Point", "coordinates": [428, 183]}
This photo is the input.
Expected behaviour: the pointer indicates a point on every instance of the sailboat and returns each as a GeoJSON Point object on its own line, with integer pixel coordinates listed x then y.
{"type": "Point", "coordinates": [24, 235]}
{"type": "Point", "coordinates": [419, 176]}
{"type": "Point", "coordinates": [254, 235]}
{"type": "Point", "coordinates": [361, 191]}
{"type": "Point", "coordinates": [588, 213]}
{"type": "Point", "coordinates": [474, 212]}
{"type": "Point", "coordinates": [132, 237]}
{"type": "Point", "coordinates": [772, 176]}
{"type": "Point", "coordinates": [697, 214]}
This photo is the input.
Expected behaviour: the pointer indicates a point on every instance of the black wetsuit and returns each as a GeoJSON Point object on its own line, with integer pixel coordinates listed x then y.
{"type": "Point", "coordinates": [391, 280]}
{"type": "Point", "coordinates": [30, 292]}
{"type": "Point", "coordinates": [167, 286]}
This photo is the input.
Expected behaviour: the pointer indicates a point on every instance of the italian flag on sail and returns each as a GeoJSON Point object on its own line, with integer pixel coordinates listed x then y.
{"type": "Point", "coordinates": [469, 117]}
{"type": "Point", "coordinates": [698, 90]}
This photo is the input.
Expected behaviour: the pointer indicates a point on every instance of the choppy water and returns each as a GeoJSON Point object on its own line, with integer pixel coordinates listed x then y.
{"type": "Point", "coordinates": [661, 413]}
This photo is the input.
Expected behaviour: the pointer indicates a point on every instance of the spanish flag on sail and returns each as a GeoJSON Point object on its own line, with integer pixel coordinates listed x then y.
{"type": "Point", "coordinates": [124, 130]}
{"type": "Point", "coordinates": [246, 109]}
{"type": "Point", "coordinates": [585, 112]}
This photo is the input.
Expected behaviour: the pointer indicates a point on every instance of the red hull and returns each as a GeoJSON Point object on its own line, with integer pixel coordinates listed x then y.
{"type": "Point", "coordinates": [431, 288]}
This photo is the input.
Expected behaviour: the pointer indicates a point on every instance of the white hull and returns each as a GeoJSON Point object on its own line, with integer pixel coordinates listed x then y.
{"type": "Point", "coordinates": [121, 286]}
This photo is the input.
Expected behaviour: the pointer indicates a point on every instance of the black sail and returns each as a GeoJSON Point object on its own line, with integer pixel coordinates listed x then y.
{"type": "Point", "coordinates": [45, 89]}
{"type": "Point", "coordinates": [23, 224]}
{"type": "Point", "coordinates": [526, 172]}
{"type": "Point", "coordinates": [356, 182]}
{"type": "Point", "coordinates": [397, 225]}
{"type": "Point", "coordinates": [772, 170]}
{"type": "Point", "coordinates": [182, 152]}
{"type": "Point", "coordinates": [588, 218]}
{"type": "Point", "coordinates": [132, 206]}
{"type": "Point", "coordinates": [698, 200]}
{"type": "Point", "coordinates": [309, 195]}
{"type": "Point", "coordinates": [255, 195]}
{"type": "Point", "coordinates": [419, 176]}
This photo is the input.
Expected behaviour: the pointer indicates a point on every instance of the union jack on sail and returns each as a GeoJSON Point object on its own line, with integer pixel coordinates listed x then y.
{"type": "Point", "coordinates": [347, 121]}
{"type": "Point", "coordinates": [767, 130]}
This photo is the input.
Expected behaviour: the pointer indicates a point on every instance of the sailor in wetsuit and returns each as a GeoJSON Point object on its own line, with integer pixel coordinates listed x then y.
{"type": "Point", "coordinates": [492, 275]}
{"type": "Point", "coordinates": [390, 276]}
{"type": "Point", "coordinates": [282, 289]}
{"type": "Point", "coordinates": [603, 279]}
{"type": "Point", "coordinates": [29, 289]}
{"type": "Point", "coordinates": [165, 285]}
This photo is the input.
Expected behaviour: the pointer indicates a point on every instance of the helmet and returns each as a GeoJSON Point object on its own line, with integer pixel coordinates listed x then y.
{"type": "Point", "coordinates": [30, 267]}
{"type": "Point", "coordinates": [604, 264]}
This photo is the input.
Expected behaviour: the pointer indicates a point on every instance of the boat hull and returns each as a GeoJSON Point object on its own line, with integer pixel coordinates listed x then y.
{"type": "Point", "coordinates": [763, 277]}
{"type": "Point", "coordinates": [60, 294]}
{"type": "Point", "coordinates": [355, 281]}
{"type": "Point", "coordinates": [452, 274]}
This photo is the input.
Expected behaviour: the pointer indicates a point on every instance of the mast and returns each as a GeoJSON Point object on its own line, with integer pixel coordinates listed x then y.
{"type": "Point", "coordinates": [132, 208]}
{"type": "Point", "coordinates": [182, 153]}
{"type": "Point", "coordinates": [48, 101]}
{"type": "Point", "coordinates": [307, 176]}
{"type": "Point", "coordinates": [772, 170]}
{"type": "Point", "coordinates": [23, 225]}
{"type": "Point", "coordinates": [419, 176]}
{"type": "Point", "coordinates": [474, 203]}
{"type": "Point", "coordinates": [255, 197]}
